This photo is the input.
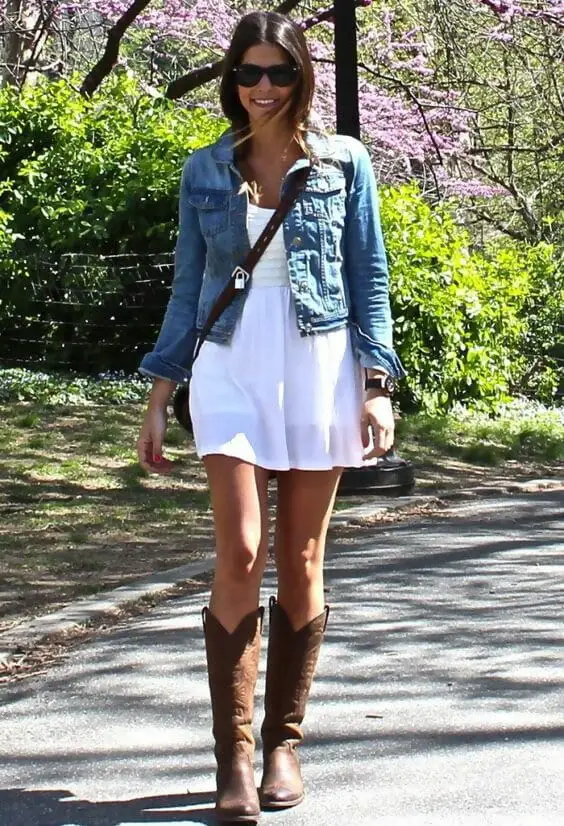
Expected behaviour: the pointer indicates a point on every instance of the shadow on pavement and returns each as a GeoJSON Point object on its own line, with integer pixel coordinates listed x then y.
{"type": "Point", "coordinates": [444, 640]}
{"type": "Point", "coordinates": [58, 807]}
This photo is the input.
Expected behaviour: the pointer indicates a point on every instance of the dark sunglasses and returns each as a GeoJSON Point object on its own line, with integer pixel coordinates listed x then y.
{"type": "Point", "coordinates": [248, 74]}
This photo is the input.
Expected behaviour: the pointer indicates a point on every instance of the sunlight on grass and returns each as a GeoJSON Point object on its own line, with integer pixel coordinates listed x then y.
{"type": "Point", "coordinates": [79, 513]}
{"type": "Point", "coordinates": [523, 430]}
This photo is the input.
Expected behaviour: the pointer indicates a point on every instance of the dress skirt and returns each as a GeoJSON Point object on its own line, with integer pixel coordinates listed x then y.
{"type": "Point", "coordinates": [274, 398]}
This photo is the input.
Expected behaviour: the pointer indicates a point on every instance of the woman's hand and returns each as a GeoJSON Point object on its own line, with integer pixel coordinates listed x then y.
{"type": "Point", "coordinates": [150, 441]}
{"type": "Point", "coordinates": [153, 430]}
{"type": "Point", "coordinates": [378, 417]}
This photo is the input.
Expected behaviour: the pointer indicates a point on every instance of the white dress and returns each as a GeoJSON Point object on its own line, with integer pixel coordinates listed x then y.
{"type": "Point", "coordinates": [272, 397]}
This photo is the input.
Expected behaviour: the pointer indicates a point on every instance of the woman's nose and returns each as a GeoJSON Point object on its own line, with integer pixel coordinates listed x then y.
{"type": "Point", "coordinates": [264, 84]}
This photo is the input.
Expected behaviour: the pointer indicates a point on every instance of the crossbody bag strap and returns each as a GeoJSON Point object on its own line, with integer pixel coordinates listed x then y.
{"type": "Point", "coordinates": [241, 276]}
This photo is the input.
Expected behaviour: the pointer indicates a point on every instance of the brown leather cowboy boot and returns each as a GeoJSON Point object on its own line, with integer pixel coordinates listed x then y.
{"type": "Point", "coordinates": [232, 671]}
{"type": "Point", "coordinates": [292, 658]}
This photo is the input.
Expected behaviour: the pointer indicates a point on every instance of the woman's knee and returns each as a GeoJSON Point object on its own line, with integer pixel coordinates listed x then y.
{"type": "Point", "coordinates": [239, 562]}
{"type": "Point", "coordinates": [300, 569]}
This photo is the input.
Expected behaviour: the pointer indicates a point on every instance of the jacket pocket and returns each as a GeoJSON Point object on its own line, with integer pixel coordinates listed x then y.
{"type": "Point", "coordinates": [325, 196]}
{"type": "Point", "coordinates": [213, 210]}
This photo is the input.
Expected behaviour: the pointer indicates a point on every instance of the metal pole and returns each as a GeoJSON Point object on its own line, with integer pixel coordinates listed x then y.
{"type": "Point", "coordinates": [346, 69]}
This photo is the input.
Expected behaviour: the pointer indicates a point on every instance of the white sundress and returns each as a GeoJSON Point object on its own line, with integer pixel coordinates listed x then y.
{"type": "Point", "coordinates": [272, 397]}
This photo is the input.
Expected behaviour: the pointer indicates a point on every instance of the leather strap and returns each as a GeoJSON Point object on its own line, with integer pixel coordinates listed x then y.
{"type": "Point", "coordinates": [241, 276]}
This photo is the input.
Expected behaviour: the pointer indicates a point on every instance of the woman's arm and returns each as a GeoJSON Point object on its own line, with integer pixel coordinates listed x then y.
{"type": "Point", "coordinates": [171, 356]}
{"type": "Point", "coordinates": [367, 271]}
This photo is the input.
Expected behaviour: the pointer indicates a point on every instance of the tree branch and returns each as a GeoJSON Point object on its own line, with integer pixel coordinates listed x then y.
{"type": "Point", "coordinates": [413, 97]}
{"type": "Point", "coordinates": [484, 216]}
{"type": "Point", "coordinates": [500, 8]}
{"type": "Point", "coordinates": [104, 66]}
{"type": "Point", "coordinates": [523, 207]}
{"type": "Point", "coordinates": [197, 77]}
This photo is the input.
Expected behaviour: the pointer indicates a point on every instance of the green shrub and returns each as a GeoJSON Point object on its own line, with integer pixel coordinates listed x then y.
{"type": "Point", "coordinates": [463, 320]}
{"type": "Point", "coordinates": [85, 183]}
{"type": "Point", "coordinates": [543, 342]}
{"type": "Point", "coordinates": [94, 176]}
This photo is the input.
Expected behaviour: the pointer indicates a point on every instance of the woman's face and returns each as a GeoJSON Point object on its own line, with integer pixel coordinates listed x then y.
{"type": "Point", "coordinates": [265, 98]}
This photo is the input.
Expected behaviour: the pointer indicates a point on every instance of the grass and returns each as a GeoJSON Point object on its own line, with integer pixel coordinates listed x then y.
{"type": "Point", "coordinates": [521, 431]}
{"type": "Point", "coordinates": [79, 515]}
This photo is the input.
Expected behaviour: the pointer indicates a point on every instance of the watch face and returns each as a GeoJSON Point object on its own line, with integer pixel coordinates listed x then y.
{"type": "Point", "coordinates": [389, 384]}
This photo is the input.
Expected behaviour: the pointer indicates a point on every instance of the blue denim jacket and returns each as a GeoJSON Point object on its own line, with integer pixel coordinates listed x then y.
{"type": "Point", "coordinates": [336, 257]}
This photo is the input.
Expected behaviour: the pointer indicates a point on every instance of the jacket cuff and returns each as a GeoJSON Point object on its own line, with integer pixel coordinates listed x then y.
{"type": "Point", "coordinates": [371, 353]}
{"type": "Point", "coordinates": [154, 366]}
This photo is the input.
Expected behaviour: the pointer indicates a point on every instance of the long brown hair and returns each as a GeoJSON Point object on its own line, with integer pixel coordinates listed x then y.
{"type": "Point", "coordinates": [278, 30]}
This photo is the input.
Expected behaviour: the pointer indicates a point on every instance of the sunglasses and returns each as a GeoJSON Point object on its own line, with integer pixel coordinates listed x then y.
{"type": "Point", "coordinates": [248, 74]}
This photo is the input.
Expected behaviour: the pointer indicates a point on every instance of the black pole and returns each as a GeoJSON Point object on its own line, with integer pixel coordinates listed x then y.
{"type": "Point", "coordinates": [348, 116]}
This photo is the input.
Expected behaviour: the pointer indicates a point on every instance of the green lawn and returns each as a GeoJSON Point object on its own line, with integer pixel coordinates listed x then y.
{"type": "Point", "coordinates": [522, 431]}
{"type": "Point", "coordinates": [79, 515]}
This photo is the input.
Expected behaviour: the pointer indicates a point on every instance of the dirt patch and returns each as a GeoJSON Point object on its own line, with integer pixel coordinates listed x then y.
{"type": "Point", "coordinates": [359, 528]}
{"type": "Point", "coordinates": [441, 474]}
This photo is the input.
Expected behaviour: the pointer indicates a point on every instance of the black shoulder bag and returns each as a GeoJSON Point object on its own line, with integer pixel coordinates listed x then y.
{"type": "Point", "coordinates": [239, 280]}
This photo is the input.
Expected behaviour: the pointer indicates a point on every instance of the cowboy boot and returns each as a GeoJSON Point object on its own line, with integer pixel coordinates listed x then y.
{"type": "Point", "coordinates": [292, 658]}
{"type": "Point", "coordinates": [232, 671]}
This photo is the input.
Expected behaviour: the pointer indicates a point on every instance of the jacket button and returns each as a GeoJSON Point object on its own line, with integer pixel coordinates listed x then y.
{"type": "Point", "coordinates": [303, 287]}
{"type": "Point", "coordinates": [308, 328]}
{"type": "Point", "coordinates": [297, 241]}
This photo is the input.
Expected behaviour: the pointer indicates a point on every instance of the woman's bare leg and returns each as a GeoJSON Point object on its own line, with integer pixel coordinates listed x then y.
{"type": "Point", "coordinates": [239, 498]}
{"type": "Point", "coordinates": [297, 626]}
{"type": "Point", "coordinates": [305, 504]}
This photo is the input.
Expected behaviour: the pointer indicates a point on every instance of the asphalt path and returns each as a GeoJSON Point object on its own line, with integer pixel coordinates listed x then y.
{"type": "Point", "coordinates": [439, 697]}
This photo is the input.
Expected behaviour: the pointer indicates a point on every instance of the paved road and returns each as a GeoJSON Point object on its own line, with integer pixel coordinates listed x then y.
{"type": "Point", "coordinates": [439, 698]}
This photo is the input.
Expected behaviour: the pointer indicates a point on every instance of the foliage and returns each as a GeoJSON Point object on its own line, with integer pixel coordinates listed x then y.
{"type": "Point", "coordinates": [544, 340]}
{"type": "Point", "coordinates": [23, 385]}
{"type": "Point", "coordinates": [507, 70]}
{"type": "Point", "coordinates": [463, 322]}
{"type": "Point", "coordinates": [95, 176]}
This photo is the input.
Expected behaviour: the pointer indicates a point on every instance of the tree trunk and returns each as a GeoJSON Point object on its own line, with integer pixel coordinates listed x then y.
{"type": "Point", "coordinates": [27, 27]}
{"type": "Point", "coordinates": [21, 21]}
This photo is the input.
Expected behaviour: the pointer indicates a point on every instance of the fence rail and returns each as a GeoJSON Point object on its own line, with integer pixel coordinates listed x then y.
{"type": "Point", "coordinates": [82, 312]}
{"type": "Point", "coordinates": [96, 313]}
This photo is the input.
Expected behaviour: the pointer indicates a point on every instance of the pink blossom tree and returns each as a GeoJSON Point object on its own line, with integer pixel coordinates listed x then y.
{"type": "Point", "coordinates": [446, 89]}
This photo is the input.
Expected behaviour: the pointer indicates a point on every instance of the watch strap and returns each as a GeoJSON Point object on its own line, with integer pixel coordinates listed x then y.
{"type": "Point", "coordinates": [385, 384]}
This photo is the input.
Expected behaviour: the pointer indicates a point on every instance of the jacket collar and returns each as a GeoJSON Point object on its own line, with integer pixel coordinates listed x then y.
{"type": "Point", "coordinates": [320, 145]}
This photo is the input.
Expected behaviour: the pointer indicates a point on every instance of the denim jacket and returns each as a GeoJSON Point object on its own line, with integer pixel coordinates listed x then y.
{"type": "Point", "coordinates": [336, 258]}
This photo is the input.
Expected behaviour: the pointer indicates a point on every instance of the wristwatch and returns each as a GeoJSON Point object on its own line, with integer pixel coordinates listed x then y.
{"type": "Point", "coordinates": [385, 384]}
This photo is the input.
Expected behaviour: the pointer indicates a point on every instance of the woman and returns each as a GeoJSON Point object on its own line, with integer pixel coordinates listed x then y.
{"type": "Point", "coordinates": [278, 385]}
